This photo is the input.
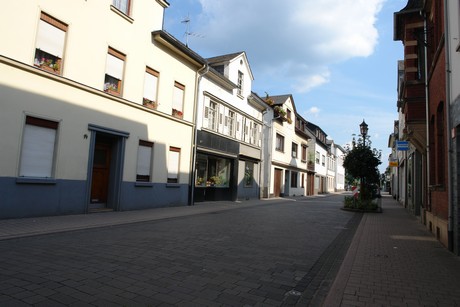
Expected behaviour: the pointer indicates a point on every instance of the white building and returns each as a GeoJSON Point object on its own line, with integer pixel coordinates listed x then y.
{"type": "Point", "coordinates": [321, 153]}
{"type": "Point", "coordinates": [289, 148]}
{"type": "Point", "coordinates": [229, 135]}
{"type": "Point", "coordinates": [79, 135]}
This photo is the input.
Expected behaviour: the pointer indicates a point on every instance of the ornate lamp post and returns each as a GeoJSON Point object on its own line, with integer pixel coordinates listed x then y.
{"type": "Point", "coordinates": [363, 129]}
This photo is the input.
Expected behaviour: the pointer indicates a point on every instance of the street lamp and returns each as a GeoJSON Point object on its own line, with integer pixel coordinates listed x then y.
{"type": "Point", "coordinates": [363, 128]}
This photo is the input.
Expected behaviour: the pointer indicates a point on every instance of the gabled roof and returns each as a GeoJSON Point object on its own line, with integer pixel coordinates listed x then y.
{"type": "Point", "coordinates": [227, 58]}
{"type": "Point", "coordinates": [223, 58]}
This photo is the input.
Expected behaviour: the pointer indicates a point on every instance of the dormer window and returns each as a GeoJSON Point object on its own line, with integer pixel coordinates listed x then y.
{"type": "Point", "coordinates": [240, 83]}
{"type": "Point", "coordinates": [220, 69]}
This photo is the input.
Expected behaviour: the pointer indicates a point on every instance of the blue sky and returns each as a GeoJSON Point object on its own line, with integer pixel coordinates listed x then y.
{"type": "Point", "coordinates": [336, 57]}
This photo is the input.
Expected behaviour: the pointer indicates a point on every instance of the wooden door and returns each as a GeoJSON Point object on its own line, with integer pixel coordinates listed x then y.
{"type": "Point", "coordinates": [101, 173]}
{"type": "Point", "coordinates": [277, 182]}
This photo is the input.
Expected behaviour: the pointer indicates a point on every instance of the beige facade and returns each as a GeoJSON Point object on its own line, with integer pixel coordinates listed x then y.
{"type": "Point", "coordinates": [73, 79]}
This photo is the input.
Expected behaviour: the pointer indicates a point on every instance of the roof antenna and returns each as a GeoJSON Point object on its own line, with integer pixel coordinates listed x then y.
{"type": "Point", "coordinates": [187, 33]}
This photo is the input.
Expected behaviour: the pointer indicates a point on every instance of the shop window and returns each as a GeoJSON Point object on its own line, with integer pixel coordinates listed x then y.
{"type": "Point", "coordinates": [248, 174]}
{"type": "Point", "coordinates": [212, 172]}
{"type": "Point", "coordinates": [38, 148]}
{"type": "Point", "coordinates": [173, 165]}
{"type": "Point", "coordinates": [49, 47]}
{"type": "Point", "coordinates": [114, 72]}
{"type": "Point", "coordinates": [144, 161]}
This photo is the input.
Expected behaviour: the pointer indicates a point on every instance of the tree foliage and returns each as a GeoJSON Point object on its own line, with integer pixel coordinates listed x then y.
{"type": "Point", "coordinates": [362, 162]}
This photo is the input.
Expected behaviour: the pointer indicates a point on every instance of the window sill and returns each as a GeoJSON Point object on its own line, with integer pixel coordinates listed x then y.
{"type": "Point", "coordinates": [173, 185]}
{"type": "Point", "coordinates": [143, 184]}
{"type": "Point", "coordinates": [121, 14]}
{"type": "Point", "coordinates": [32, 180]}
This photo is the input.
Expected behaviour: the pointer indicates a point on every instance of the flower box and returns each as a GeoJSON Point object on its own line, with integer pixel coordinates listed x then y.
{"type": "Point", "coordinates": [149, 104]}
{"type": "Point", "coordinates": [177, 113]}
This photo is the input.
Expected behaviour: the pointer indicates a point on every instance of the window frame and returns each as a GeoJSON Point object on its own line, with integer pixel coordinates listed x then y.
{"type": "Point", "coordinates": [43, 58]}
{"type": "Point", "coordinates": [117, 4]}
{"type": "Point", "coordinates": [26, 159]}
{"type": "Point", "coordinates": [150, 101]}
{"type": "Point", "coordinates": [141, 177]}
{"type": "Point", "coordinates": [248, 174]}
{"type": "Point", "coordinates": [240, 83]}
{"type": "Point", "coordinates": [170, 168]}
{"type": "Point", "coordinates": [178, 107]}
{"type": "Point", "coordinates": [294, 150]}
{"type": "Point", "coordinates": [279, 144]}
{"type": "Point", "coordinates": [108, 86]}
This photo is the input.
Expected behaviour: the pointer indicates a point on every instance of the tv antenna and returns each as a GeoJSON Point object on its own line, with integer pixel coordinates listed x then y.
{"type": "Point", "coordinates": [187, 33]}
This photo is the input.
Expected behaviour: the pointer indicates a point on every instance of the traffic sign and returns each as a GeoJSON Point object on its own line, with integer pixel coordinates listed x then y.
{"type": "Point", "coordinates": [402, 145]}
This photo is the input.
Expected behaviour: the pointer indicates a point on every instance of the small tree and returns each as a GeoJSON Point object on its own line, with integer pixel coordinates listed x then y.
{"type": "Point", "coordinates": [362, 162]}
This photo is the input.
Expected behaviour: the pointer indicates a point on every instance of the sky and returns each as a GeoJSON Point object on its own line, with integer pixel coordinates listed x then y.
{"type": "Point", "coordinates": [337, 58]}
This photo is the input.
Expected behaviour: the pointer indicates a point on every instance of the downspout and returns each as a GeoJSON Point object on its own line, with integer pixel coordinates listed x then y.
{"type": "Point", "coordinates": [199, 76]}
{"type": "Point", "coordinates": [450, 203]}
{"type": "Point", "coordinates": [427, 110]}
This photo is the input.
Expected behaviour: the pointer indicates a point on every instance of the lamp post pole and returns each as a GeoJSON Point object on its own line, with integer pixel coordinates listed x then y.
{"type": "Point", "coordinates": [363, 127]}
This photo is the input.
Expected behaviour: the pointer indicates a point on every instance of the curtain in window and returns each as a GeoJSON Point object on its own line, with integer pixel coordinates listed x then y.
{"type": "Point", "coordinates": [50, 39]}
{"type": "Point", "coordinates": [37, 152]}
{"type": "Point", "coordinates": [122, 5]}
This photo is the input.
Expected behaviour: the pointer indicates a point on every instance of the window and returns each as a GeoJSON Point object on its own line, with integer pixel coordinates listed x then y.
{"type": "Point", "coordinates": [279, 142]}
{"type": "Point", "coordinates": [323, 160]}
{"type": "Point", "coordinates": [294, 150]}
{"type": "Point", "coordinates": [231, 123]}
{"type": "Point", "coordinates": [288, 113]}
{"type": "Point", "coordinates": [254, 134]}
{"type": "Point", "coordinates": [38, 148]}
{"type": "Point", "coordinates": [150, 88]}
{"type": "Point", "coordinates": [173, 164]}
{"type": "Point", "coordinates": [294, 176]}
{"type": "Point", "coordinates": [317, 157]}
{"type": "Point", "coordinates": [49, 47]}
{"type": "Point", "coordinates": [248, 174]}
{"type": "Point", "coordinates": [178, 100]}
{"type": "Point", "coordinates": [211, 114]}
{"type": "Point", "coordinates": [114, 72]}
{"type": "Point", "coordinates": [212, 171]}
{"type": "Point", "coordinates": [240, 83]}
{"type": "Point", "coordinates": [122, 5]}
{"type": "Point", "coordinates": [304, 153]}
{"type": "Point", "coordinates": [144, 161]}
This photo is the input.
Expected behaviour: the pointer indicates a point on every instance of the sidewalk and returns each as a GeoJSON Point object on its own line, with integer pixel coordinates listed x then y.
{"type": "Point", "coordinates": [15, 228]}
{"type": "Point", "coordinates": [394, 261]}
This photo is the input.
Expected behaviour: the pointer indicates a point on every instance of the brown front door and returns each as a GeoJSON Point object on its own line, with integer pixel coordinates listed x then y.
{"type": "Point", "coordinates": [277, 182]}
{"type": "Point", "coordinates": [101, 173]}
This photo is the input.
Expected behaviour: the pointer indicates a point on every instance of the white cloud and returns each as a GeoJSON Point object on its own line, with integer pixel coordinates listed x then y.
{"type": "Point", "coordinates": [314, 111]}
{"type": "Point", "coordinates": [298, 40]}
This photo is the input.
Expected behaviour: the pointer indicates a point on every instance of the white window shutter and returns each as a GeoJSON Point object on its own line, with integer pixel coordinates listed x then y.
{"type": "Point", "coordinates": [144, 158]}
{"type": "Point", "coordinates": [114, 67]}
{"type": "Point", "coordinates": [150, 87]}
{"type": "Point", "coordinates": [37, 152]}
{"type": "Point", "coordinates": [206, 113]}
{"type": "Point", "coordinates": [173, 164]}
{"type": "Point", "coordinates": [50, 39]}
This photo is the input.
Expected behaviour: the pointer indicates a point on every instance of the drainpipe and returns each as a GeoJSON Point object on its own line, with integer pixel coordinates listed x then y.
{"type": "Point", "coordinates": [450, 203]}
{"type": "Point", "coordinates": [427, 110]}
{"type": "Point", "coordinates": [199, 76]}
